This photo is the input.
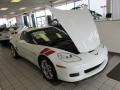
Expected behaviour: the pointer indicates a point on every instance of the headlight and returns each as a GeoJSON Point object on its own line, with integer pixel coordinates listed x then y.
{"type": "Point", "coordinates": [68, 57]}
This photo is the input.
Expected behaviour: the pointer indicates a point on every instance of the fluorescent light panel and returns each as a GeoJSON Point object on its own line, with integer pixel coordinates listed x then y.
{"type": "Point", "coordinates": [15, 1]}
{"type": "Point", "coordinates": [22, 8]}
{"type": "Point", "coordinates": [3, 9]}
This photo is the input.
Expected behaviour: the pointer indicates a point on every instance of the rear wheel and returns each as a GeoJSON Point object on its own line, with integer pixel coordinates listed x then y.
{"type": "Point", "coordinates": [48, 70]}
{"type": "Point", "coordinates": [14, 52]}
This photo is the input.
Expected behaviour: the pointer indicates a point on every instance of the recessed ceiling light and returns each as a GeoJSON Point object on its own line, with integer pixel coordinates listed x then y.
{"type": "Point", "coordinates": [15, 1]}
{"type": "Point", "coordinates": [22, 8]}
{"type": "Point", "coordinates": [12, 13]}
{"type": "Point", "coordinates": [3, 9]}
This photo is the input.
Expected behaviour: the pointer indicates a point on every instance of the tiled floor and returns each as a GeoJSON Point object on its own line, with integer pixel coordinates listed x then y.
{"type": "Point", "coordinates": [22, 75]}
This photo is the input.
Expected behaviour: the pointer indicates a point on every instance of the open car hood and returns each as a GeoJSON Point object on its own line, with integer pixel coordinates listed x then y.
{"type": "Point", "coordinates": [80, 26]}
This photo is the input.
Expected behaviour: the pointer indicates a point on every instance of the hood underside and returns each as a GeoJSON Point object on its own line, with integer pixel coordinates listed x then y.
{"type": "Point", "coordinates": [80, 26]}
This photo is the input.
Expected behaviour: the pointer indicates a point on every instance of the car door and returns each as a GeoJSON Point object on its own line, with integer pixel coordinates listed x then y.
{"type": "Point", "coordinates": [22, 44]}
{"type": "Point", "coordinates": [26, 49]}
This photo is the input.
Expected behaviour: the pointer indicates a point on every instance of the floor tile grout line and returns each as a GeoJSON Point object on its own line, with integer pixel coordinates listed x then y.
{"type": "Point", "coordinates": [17, 79]}
{"type": "Point", "coordinates": [7, 78]}
{"type": "Point", "coordinates": [22, 73]}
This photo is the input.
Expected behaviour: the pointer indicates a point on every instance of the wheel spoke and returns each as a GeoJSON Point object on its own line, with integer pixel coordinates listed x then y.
{"type": "Point", "coordinates": [47, 69]}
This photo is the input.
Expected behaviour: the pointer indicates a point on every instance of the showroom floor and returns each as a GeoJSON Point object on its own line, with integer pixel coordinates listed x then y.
{"type": "Point", "coordinates": [22, 75]}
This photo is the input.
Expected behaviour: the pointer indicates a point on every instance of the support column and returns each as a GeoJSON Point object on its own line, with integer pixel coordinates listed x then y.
{"type": "Point", "coordinates": [109, 6]}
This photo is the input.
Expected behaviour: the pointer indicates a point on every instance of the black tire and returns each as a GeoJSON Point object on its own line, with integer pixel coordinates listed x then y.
{"type": "Point", "coordinates": [14, 52]}
{"type": "Point", "coordinates": [51, 75]}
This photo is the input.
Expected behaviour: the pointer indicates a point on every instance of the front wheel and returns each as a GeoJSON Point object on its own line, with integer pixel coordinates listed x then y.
{"type": "Point", "coordinates": [48, 70]}
{"type": "Point", "coordinates": [14, 52]}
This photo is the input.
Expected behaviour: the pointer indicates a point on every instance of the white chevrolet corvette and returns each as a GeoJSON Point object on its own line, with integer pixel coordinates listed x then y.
{"type": "Point", "coordinates": [70, 56]}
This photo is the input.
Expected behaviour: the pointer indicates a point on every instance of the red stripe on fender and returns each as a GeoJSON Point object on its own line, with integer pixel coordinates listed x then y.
{"type": "Point", "coordinates": [44, 50]}
{"type": "Point", "coordinates": [47, 52]}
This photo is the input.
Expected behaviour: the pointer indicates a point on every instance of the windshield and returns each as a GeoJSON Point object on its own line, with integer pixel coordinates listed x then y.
{"type": "Point", "coordinates": [49, 36]}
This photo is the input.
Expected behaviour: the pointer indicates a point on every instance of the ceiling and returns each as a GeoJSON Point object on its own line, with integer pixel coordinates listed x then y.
{"type": "Point", "coordinates": [29, 4]}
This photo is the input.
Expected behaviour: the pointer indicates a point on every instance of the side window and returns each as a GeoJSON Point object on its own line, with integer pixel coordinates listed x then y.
{"type": "Point", "coordinates": [22, 37]}
{"type": "Point", "coordinates": [25, 36]}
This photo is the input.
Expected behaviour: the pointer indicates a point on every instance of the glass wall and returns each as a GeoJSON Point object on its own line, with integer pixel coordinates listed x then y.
{"type": "Point", "coordinates": [41, 16]}
{"type": "Point", "coordinates": [97, 6]}
{"type": "Point", "coordinates": [66, 6]}
{"type": "Point", "coordinates": [3, 21]}
{"type": "Point", "coordinates": [82, 3]}
{"type": "Point", "coordinates": [12, 21]}
{"type": "Point", "coordinates": [47, 12]}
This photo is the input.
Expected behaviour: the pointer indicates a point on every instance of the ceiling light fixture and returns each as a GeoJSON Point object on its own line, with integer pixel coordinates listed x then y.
{"type": "Point", "coordinates": [15, 1]}
{"type": "Point", "coordinates": [3, 9]}
{"type": "Point", "coordinates": [22, 8]}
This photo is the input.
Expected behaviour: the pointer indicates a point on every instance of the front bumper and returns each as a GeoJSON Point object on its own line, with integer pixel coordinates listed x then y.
{"type": "Point", "coordinates": [82, 71]}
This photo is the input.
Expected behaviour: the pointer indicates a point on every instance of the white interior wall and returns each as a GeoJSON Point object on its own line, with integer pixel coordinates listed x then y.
{"type": "Point", "coordinates": [116, 9]}
{"type": "Point", "coordinates": [109, 32]}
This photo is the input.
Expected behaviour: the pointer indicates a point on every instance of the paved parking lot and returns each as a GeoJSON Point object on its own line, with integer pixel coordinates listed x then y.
{"type": "Point", "coordinates": [19, 74]}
